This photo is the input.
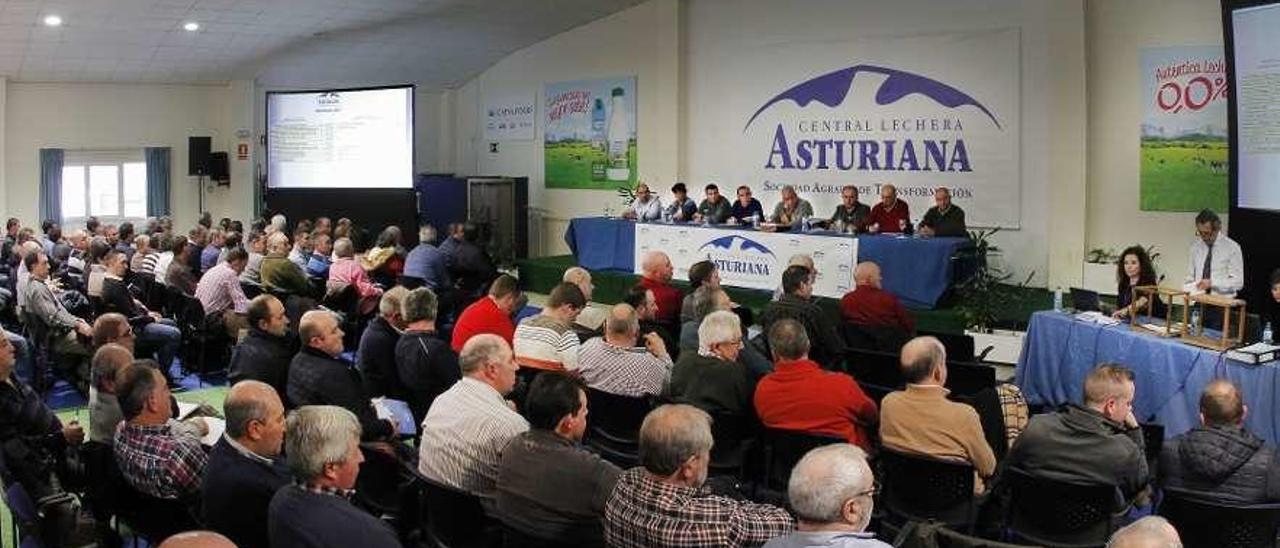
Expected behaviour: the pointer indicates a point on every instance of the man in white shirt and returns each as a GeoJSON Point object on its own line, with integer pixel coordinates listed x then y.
{"type": "Point", "coordinates": [646, 206]}
{"type": "Point", "coordinates": [1217, 265]}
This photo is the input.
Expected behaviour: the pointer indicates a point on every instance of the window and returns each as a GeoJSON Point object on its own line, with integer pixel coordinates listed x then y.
{"type": "Point", "coordinates": [93, 184]}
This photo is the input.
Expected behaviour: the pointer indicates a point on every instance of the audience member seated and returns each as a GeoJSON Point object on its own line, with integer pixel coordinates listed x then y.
{"type": "Point", "coordinates": [792, 210]}
{"type": "Point", "coordinates": [347, 270]}
{"type": "Point", "coordinates": [1095, 443]}
{"type": "Point", "coordinates": [921, 420]}
{"type": "Point", "coordinates": [471, 268]}
{"type": "Point", "coordinates": [428, 263]}
{"type": "Point", "coordinates": [715, 209]}
{"type": "Point", "coordinates": [682, 208]}
{"type": "Point", "coordinates": [245, 469]}
{"type": "Point", "coordinates": [470, 423]}
{"type": "Point", "coordinates": [452, 238]}
{"type": "Point", "coordinates": [278, 272]}
{"type": "Point", "coordinates": [209, 255]}
{"type": "Point", "coordinates": [662, 503]}
{"type": "Point", "coordinates": [222, 297]}
{"type": "Point", "coordinates": [1220, 462]}
{"type": "Point", "coordinates": [1135, 269]}
{"type": "Point", "coordinates": [64, 328]}
{"type": "Point", "coordinates": [890, 215]}
{"type": "Point", "coordinates": [645, 206]}
{"type": "Point", "coordinates": [124, 241]}
{"type": "Point", "coordinates": [701, 274]}
{"type": "Point", "coordinates": [614, 364]}
{"type": "Point", "coordinates": [491, 314]}
{"type": "Point", "coordinates": [943, 219]}
{"type": "Point", "coordinates": [869, 305]}
{"type": "Point", "coordinates": [547, 341]}
{"type": "Point", "coordinates": [425, 366]}
{"type": "Point", "coordinates": [33, 444]}
{"type": "Point", "coordinates": [178, 274]}
{"type": "Point", "coordinates": [1273, 316]}
{"type": "Point", "coordinates": [318, 263]}
{"type": "Point", "coordinates": [164, 256]}
{"type": "Point", "coordinates": [385, 260]}
{"type": "Point", "coordinates": [711, 378]}
{"type": "Point", "coordinates": [851, 215]}
{"type": "Point", "coordinates": [197, 539]}
{"type": "Point", "coordinates": [144, 259]}
{"type": "Point", "coordinates": [155, 456]}
{"type": "Point", "coordinates": [745, 209]}
{"type": "Point", "coordinates": [656, 277]}
{"type": "Point", "coordinates": [104, 409]}
{"type": "Point", "coordinates": [315, 511]}
{"type": "Point", "coordinates": [257, 248]}
{"type": "Point", "coordinates": [799, 395]}
{"type": "Point", "coordinates": [265, 352]}
{"type": "Point", "coordinates": [79, 241]}
{"type": "Point", "coordinates": [646, 306]}
{"type": "Point", "coordinates": [704, 300]}
{"type": "Point", "coordinates": [1148, 532]}
{"type": "Point", "coordinates": [113, 328]}
{"type": "Point", "coordinates": [319, 376]}
{"type": "Point", "coordinates": [832, 495]}
{"type": "Point", "coordinates": [159, 332]}
{"type": "Point", "coordinates": [548, 486]}
{"type": "Point", "coordinates": [590, 320]}
{"type": "Point", "coordinates": [797, 303]}
{"type": "Point", "coordinates": [376, 355]}
{"type": "Point", "coordinates": [301, 250]}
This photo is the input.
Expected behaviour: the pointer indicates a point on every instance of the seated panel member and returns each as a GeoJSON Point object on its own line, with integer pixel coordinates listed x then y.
{"type": "Point", "coordinates": [646, 206]}
{"type": "Point", "coordinates": [943, 219]}
{"type": "Point", "coordinates": [715, 209]}
{"type": "Point", "coordinates": [891, 215]}
{"type": "Point", "coordinates": [746, 208]}
{"type": "Point", "coordinates": [682, 208]}
{"type": "Point", "coordinates": [1135, 269]}
{"type": "Point", "coordinates": [791, 210]}
{"type": "Point", "coordinates": [851, 215]}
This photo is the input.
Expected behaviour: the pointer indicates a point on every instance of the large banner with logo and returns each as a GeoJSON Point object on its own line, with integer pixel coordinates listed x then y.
{"type": "Point", "coordinates": [1184, 129]}
{"type": "Point", "coordinates": [748, 258]}
{"type": "Point", "coordinates": [590, 134]}
{"type": "Point", "coordinates": [917, 112]}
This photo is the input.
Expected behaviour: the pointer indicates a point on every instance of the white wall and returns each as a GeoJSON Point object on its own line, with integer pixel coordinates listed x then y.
{"type": "Point", "coordinates": [1117, 30]}
{"type": "Point", "coordinates": [113, 116]}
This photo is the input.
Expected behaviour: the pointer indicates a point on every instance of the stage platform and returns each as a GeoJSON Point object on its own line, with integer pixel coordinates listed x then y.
{"type": "Point", "coordinates": [541, 274]}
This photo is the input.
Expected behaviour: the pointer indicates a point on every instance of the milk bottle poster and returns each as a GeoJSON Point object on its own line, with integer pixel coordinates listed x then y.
{"type": "Point", "coordinates": [590, 136]}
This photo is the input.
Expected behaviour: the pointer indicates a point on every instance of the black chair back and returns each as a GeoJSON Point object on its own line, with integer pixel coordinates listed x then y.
{"type": "Point", "coordinates": [917, 487]}
{"type": "Point", "coordinates": [878, 373]}
{"type": "Point", "coordinates": [613, 426]}
{"type": "Point", "coordinates": [874, 337]}
{"type": "Point", "coordinates": [734, 436]}
{"type": "Point", "coordinates": [1054, 513]}
{"type": "Point", "coordinates": [783, 449]}
{"type": "Point", "coordinates": [1204, 525]}
{"type": "Point", "coordinates": [454, 519]}
{"type": "Point", "coordinates": [960, 347]}
{"type": "Point", "coordinates": [965, 379]}
{"type": "Point", "coordinates": [514, 538]}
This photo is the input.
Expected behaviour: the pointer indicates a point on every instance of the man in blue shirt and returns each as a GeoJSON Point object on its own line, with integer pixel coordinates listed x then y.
{"type": "Point", "coordinates": [318, 263]}
{"type": "Point", "coordinates": [451, 241]}
{"type": "Point", "coordinates": [745, 207]}
{"type": "Point", "coordinates": [209, 256]}
{"type": "Point", "coordinates": [428, 263]}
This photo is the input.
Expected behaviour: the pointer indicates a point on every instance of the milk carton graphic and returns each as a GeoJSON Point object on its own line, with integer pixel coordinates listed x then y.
{"type": "Point", "coordinates": [619, 137]}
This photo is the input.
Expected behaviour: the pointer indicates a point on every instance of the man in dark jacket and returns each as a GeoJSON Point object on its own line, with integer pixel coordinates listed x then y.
{"type": "Point", "coordinates": [318, 376]}
{"type": "Point", "coordinates": [245, 469]}
{"type": "Point", "coordinates": [796, 303]}
{"type": "Point", "coordinates": [1220, 462]}
{"type": "Point", "coordinates": [472, 268]}
{"type": "Point", "coordinates": [376, 355]}
{"type": "Point", "coordinates": [1095, 443]}
{"type": "Point", "coordinates": [265, 352]}
{"type": "Point", "coordinates": [425, 365]}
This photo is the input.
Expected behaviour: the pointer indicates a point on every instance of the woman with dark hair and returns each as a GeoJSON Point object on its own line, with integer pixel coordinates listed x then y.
{"type": "Point", "coordinates": [385, 260]}
{"type": "Point", "coordinates": [1134, 269]}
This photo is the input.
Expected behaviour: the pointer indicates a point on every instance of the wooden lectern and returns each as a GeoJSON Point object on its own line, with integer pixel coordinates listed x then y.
{"type": "Point", "coordinates": [1151, 293]}
{"type": "Point", "coordinates": [1230, 306]}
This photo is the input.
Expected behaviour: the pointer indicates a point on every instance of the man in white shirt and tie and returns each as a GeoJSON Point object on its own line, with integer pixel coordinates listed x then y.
{"type": "Point", "coordinates": [1217, 266]}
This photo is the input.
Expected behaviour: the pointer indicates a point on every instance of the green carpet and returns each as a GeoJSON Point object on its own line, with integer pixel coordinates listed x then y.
{"type": "Point", "coordinates": [212, 396]}
{"type": "Point", "coordinates": [542, 274]}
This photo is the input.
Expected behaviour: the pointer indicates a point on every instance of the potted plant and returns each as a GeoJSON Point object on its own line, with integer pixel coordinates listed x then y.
{"type": "Point", "coordinates": [984, 293]}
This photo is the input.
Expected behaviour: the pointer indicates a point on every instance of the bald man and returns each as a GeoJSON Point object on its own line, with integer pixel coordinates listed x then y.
{"type": "Point", "coordinates": [104, 410]}
{"type": "Point", "coordinates": [616, 364]}
{"type": "Point", "coordinates": [869, 305]}
{"type": "Point", "coordinates": [1148, 532]}
{"type": "Point", "coordinates": [890, 215]}
{"type": "Point", "coordinates": [245, 468]}
{"type": "Point", "coordinates": [943, 219]}
{"type": "Point", "coordinates": [278, 272]}
{"type": "Point", "coordinates": [591, 318]}
{"type": "Point", "coordinates": [198, 539]}
{"type": "Point", "coordinates": [1221, 461]}
{"type": "Point", "coordinates": [657, 272]}
{"type": "Point", "coordinates": [319, 376]}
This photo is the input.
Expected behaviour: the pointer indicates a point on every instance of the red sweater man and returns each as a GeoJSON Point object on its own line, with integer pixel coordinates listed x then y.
{"type": "Point", "coordinates": [891, 214]}
{"type": "Point", "coordinates": [491, 314]}
{"type": "Point", "coordinates": [657, 278]}
{"type": "Point", "coordinates": [870, 305]}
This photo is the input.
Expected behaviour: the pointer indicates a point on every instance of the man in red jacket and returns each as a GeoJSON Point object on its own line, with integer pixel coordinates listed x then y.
{"type": "Point", "coordinates": [891, 214]}
{"type": "Point", "coordinates": [869, 305]}
{"type": "Point", "coordinates": [657, 278]}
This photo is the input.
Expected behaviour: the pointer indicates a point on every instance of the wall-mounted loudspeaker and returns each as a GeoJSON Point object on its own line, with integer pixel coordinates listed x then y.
{"type": "Point", "coordinates": [198, 155]}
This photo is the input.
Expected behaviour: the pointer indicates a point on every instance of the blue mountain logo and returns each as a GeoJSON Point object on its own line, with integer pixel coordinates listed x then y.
{"type": "Point", "coordinates": [832, 88]}
{"type": "Point", "coordinates": [727, 243]}
{"type": "Point", "coordinates": [739, 255]}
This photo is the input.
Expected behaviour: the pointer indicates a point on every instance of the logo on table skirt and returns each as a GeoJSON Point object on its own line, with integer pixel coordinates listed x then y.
{"type": "Point", "coordinates": [739, 256]}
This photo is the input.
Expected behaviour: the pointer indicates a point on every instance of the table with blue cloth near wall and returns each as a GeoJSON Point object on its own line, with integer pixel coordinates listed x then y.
{"type": "Point", "coordinates": [917, 270]}
{"type": "Point", "coordinates": [1169, 375]}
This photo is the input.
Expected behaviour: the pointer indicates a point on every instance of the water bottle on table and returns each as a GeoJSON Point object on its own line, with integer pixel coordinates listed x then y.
{"type": "Point", "coordinates": [1057, 300]}
{"type": "Point", "coordinates": [1266, 333]}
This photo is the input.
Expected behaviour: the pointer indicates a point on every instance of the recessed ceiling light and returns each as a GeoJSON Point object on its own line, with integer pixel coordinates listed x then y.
{"type": "Point", "coordinates": [192, 26]}
{"type": "Point", "coordinates": [52, 21]}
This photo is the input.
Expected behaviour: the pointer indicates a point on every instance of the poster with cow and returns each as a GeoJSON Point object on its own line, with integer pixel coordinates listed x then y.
{"type": "Point", "coordinates": [1184, 129]}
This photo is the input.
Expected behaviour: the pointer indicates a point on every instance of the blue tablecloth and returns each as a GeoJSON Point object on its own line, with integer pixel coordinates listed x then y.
{"type": "Point", "coordinates": [917, 270]}
{"type": "Point", "coordinates": [1059, 351]}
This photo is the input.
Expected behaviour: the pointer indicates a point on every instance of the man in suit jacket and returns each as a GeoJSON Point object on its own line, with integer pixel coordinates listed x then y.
{"type": "Point", "coordinates": [245, 469]}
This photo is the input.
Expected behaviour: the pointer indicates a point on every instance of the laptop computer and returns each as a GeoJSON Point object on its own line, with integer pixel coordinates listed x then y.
{"type": "Point", "coordinates": [1084, 300]}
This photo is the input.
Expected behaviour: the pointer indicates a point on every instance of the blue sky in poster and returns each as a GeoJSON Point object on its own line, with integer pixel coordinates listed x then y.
{"type": "Point", "coordinates": [569, 105]}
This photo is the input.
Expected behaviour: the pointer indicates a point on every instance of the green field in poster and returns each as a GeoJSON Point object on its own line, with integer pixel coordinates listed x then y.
{"type": "Point", "coordinates": [1183, 175]}
{"type": "Point", "coordinates": [569, 165]}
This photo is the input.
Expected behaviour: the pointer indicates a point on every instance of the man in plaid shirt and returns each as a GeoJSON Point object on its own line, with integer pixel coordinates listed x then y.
{"type": "Point", "coordinates": [662, 504]}
{"type": "Point", "coordinates": [156, 455]}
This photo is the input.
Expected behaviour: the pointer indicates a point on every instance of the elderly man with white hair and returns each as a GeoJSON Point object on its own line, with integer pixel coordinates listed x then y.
{"type": "Point", "coordinates": [831, 492]}
{"type": "Point", "coordinates": [712, 378]}
{"type": "Point", "coordinates": [656, 277]}
{"type": "Point", "coordinates": [426, 265]}
{"type": "Point", "coordinates": [323, 447]}
{"type": "Point", "coordinates": [590, 320]}
{"type": "Point", "coordinates": [1148, 532]}
{"type": "Point", "coordinates": [278, 272]}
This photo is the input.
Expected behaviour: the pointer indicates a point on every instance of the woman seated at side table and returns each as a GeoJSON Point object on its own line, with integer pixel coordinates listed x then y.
{"type": "Point", "coordinates": [1134, 269]}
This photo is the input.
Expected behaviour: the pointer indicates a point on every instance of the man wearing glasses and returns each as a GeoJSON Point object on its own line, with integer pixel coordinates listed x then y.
{"type": "Point", "coordinates": [646, 206]}
{"type": "Point", "coordinates": [831, 493]}
{"type": "Point", "coordinates": [1217, 266]}
{"type": "Point", "coordinates": [745, 208]}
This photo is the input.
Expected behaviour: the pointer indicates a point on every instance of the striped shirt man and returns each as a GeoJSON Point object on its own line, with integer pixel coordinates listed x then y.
{"type": "Point", "coordinates": [631, 372]}
{"type": "Point", "coordinates": [463, 435]}
{"type": "Point", "coordinates": [547, 343]}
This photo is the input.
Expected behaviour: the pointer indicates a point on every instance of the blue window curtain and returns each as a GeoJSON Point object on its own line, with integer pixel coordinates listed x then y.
{"type": "Point", "coordinates": [157, 181]}
{"type": "Point", "coordinates": [50, 185]}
